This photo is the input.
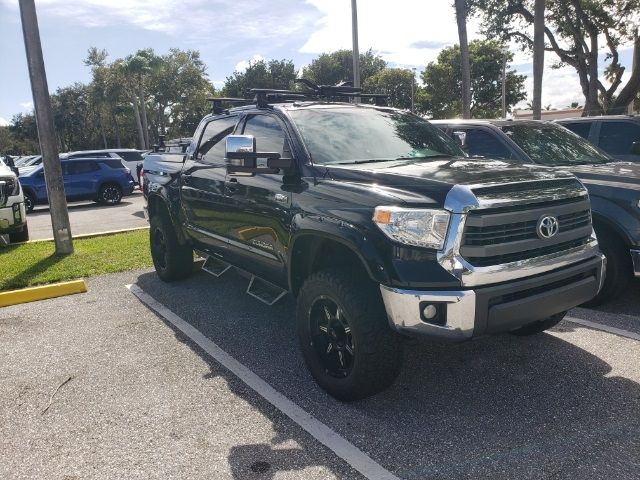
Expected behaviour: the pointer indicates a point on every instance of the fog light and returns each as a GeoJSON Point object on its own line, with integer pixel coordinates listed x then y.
{"type": "Point", "coordinates": [430, 312]}
{"type": "Point", "coordinates": [434, 313]}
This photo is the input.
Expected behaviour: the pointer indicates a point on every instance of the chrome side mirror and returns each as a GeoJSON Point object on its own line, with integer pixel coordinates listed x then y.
{"type": "Point", "coordinates": [242, 157]}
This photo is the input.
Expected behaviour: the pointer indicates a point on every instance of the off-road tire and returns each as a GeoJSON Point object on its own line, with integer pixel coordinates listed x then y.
{"type": "Point", "coordinates": [18, 237]}
{"type": "Point", "coordinates": [540, 326]}
{"type": "Point", "coordinates": [619, 269]}
{"type": "Point", "coordinates": [377, 356]}
{"type": "Point", "coordinates": [110, 194]}
{"type": "Point", "coordinates": [171, 260]}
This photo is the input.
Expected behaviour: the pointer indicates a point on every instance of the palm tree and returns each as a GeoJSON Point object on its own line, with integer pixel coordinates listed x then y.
{"type": "Point", "coordinates": [462, 10]}
{"type": "Point", "coordinates": [538, 57]}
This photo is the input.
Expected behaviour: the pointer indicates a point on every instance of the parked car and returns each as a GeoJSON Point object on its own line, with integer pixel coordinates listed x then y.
{"type": "Point", "coordinates": [614, 187]}
{"type": "Point", "coordinates": [104, 180]}
{"type": "Point", "coordinates": [618, 135]}
{"type": "Point", "coordinates": [130, 157]}
{"type": "Point", "coordinates": [13, 218]}
{"type": "Point", "coordinates": [377, 223]}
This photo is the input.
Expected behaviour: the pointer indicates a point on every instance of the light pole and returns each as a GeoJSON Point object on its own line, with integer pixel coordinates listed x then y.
{"type": "Point", "coordinates": [413, 89]}
{"type": "Point", "coordinates": [504, 84]}
{"type": "Point", "coordinates": [356, 52]}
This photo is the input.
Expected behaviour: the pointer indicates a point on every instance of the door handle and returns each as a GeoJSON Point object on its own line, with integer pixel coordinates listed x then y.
{"type": "Point", "coordinates": [231, 185]}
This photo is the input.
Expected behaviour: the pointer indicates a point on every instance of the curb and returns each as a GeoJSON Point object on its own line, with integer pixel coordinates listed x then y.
{"type": "Point", "coordinates": [43, 292]}
{"type": "Point", "coordinates": [88, 235]}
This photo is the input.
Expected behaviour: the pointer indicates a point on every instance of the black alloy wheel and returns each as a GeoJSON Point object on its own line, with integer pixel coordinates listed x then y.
{"type": "Point", "coordinates": [110, 194]}
{"type": "Point", "coordinates": [331, 337]}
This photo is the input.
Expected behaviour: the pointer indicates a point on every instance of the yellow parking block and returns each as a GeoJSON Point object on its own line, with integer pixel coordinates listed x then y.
{"type": "Point", "coordinates": [32, 294]}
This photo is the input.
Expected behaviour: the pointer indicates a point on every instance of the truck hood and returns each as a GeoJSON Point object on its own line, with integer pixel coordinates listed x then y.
{"type": "Point", "coordinates": [430, 181]}
{"type": "Point", "coordinates": [6, 171]}
{"type": "Point", "coordinates": [619, 174]}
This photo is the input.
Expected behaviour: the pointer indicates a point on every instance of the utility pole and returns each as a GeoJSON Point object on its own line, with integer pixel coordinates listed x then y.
{"type": "Point", "coordinates": [46, 131]}
{"type": "Point", "coordinates": [504, 85]}
{"type": "Point", "coordinates": [356, 52]}
{"type": "Point", "coordinates": [633, 67]}
{"type": "Point", "coordinates": [413, 90]}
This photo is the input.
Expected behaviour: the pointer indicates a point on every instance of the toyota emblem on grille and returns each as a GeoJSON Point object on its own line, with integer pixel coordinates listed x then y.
{"type": "Point", "coordinates": [548, 227]}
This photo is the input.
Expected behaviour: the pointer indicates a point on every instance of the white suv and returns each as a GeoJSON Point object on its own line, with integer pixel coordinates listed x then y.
{"type": "Point", "coordinates": [13, 216]}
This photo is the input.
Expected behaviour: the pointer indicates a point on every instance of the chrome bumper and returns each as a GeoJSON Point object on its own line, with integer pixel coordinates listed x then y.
{"type": "Point", "coordinates": [494, 308]}
{"type": "Point", "coordinates": [635, 258]}
{"type": "Point", "coordinates": [403, 309]}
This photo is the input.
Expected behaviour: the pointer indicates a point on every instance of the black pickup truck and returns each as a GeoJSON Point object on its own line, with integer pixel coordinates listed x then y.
{"type": "Point", "coordinates": [378, 225]}
{"type": "Point", "coordinates": [614, 186]}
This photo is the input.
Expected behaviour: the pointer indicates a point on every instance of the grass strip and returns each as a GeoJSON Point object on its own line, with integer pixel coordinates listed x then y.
{"type": "Point", "coordinates": [33, 264]}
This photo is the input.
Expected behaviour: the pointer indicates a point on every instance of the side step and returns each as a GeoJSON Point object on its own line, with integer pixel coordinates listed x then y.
{"type": "Point", "coordinates": [215, 266]}
{"type": "Point", "coordinates": [264, 291]}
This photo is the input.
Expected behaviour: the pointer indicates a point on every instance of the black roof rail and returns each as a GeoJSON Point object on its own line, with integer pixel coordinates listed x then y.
{"type": "Point", "coordinates": [263, 97]}
{"type": "Point", "coordinates": [216, 103]}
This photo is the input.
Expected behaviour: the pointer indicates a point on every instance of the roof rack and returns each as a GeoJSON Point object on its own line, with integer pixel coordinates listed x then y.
{"type": "Point", "coordinates": [216, 103]}
{"type": "Point", "coordinates": [263, 97]}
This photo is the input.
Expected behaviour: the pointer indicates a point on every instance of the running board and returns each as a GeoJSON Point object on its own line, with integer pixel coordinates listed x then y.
{"type": "Point", "coordinates": [215, 266]}
{"type": "Point", "coordinates": [264, 291]}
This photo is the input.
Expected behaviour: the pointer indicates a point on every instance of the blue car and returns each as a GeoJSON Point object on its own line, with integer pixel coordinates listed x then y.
{"type": "Point", "coordinates": [103, 180]}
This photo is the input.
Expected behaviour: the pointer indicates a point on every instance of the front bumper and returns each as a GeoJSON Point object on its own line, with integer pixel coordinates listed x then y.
{"type": "Point", "coordinates": [494, 309]}
{"type": "Point", "coordinates": [635, 258]}
{"type": "Point", "coordinates": [12, 218]}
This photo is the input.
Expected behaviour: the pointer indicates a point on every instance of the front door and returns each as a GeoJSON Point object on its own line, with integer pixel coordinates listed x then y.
{"type": "Point", "coordinates": [205, 206]}
{"type": "Point", "coordinates": [260, 215]}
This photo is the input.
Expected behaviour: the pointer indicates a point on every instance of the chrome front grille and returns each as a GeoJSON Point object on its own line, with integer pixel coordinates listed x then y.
{"type": "Point", "coordinates": [502, 235]}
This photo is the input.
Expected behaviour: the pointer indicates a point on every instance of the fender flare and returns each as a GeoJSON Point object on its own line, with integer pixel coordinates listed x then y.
{"type": "Point", "coordinates": [615, 218]}
{"type": "Point", "coordinates": [350, 236]}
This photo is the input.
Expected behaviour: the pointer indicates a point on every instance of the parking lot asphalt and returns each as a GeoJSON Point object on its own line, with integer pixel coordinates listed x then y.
{"type": "Point", "coordinates": [145, 401]}
{"type": "Point", "coordinates": [90, 217]}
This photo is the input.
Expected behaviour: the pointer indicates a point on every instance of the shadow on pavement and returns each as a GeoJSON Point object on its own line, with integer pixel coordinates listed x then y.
{"type": "Point", "coordinates": [89, 205]}
{"type": "Point", "coordinates": [499, 407]}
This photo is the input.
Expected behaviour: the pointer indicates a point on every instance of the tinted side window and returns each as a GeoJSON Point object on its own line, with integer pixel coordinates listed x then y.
{"type": "Point", "coordinates": [212, 145]}
{"type": "Point", "coordinates": [113, 163]}
{"type": "Point", "coordinates": [483, 144]}
{"type": "Point", "coordinates": [617, 137]}
{"type": "Point", "coordinates": [268, 134]}
{"type": "Point", "coordinates": [79, 168]}
{"type": "Point", "coordinates": [131, 156]}
{"type": "Point", "coordinates": [581, 128]}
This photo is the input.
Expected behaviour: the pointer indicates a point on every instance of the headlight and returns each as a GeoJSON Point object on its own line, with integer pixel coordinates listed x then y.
{"type": "Point", "coordinates": [13, 187]}
{"type": "Point", "coordinates": [413, 226]}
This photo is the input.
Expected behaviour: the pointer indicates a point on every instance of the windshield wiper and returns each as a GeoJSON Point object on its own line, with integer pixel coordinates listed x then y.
{"type": "Point", "coordinates": [426, 157]}
{"type": "Point", "coordinates": [371, 160]}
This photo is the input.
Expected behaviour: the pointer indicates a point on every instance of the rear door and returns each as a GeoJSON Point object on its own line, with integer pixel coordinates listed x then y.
{"type": "Point", "coordinates": [202, 187]}
{"type": "Point", "coordinates": [80, 178]}
{"type": "Point", "coordinates": [260, 207]}
{"type": "Point", "coordinates": [617, 137]}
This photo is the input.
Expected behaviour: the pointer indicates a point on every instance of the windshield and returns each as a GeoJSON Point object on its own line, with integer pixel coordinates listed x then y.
{"type": "Point", "coordinates": [554, 145]}
{"type": "Point", "coordinates": [361, 135]}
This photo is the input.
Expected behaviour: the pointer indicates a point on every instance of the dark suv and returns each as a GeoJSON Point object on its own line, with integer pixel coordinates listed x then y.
{"type": "Point", "coordinates": [618, 135]}
{"type": "Point", "coordinates": [104, 180]}
{"type": "Point", "coordinates": [377, 223]}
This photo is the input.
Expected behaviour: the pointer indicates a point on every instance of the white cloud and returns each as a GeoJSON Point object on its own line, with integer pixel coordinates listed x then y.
{"type": "Point", "coordinates": [27, 105]}
{"type": "Point", "coordinates": [402, 38]}
{"type": "Point", "coordinates": [244, 64]}
{"type": "Point", "coordinates": [191, 20]}
{"type": "Point", "coordinates": [4, 122]}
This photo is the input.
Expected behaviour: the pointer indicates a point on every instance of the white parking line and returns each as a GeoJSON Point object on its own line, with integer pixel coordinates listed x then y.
{"type": "Point", "coordinates": [321, 432]}
{"type": "Point", "coordinates": [604, 328]}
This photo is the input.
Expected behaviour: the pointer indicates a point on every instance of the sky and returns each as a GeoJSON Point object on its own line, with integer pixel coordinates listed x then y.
{"type": "Point", "coordinates": [230, 33]}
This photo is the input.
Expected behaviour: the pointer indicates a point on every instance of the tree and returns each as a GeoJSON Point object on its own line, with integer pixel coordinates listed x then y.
{"type": "Point", "coordinates": [574, 30]}
{"type": "Point", "coordinates": [465, 66]}
{"type": "Point", "coordinates": [394, 82]}
{"type": "Point", "coordinates": [279, 74]}
{"type": "Point", "coordinates": [538, 56]}
{"type": "Point", "coordinates": [333, 68]}
{"type": "Point", "coordinates": [442, 93]}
